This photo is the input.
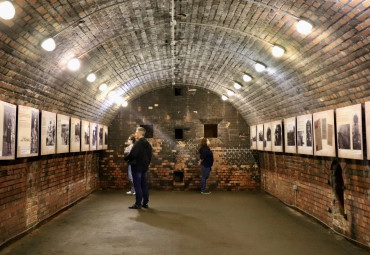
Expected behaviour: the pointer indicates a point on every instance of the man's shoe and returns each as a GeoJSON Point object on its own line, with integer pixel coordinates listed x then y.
{"type": "Point", "coordinates": [205, 192]}
{"type": "Point", "coordinates": [134, 206]}
{"type": "Point", "coordinates": [146, 206]}
{"type": "Point", "coordinates": [130, 193]}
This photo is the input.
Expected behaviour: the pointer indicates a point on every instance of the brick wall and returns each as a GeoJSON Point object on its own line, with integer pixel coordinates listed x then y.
{"type": "Point", "coordinates": [315, 195]}
{"type": "Point", "coordinates": [235, 166]}
{"type": "Point", "coordinates": [34, 189]}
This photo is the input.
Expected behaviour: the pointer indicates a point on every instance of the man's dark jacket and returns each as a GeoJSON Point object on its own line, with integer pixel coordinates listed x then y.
{"type": "Point", "coordinates": [140, 155]}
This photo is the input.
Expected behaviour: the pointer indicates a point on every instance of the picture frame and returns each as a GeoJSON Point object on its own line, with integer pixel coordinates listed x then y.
{"type": "Point", "coordinates": [260, 137]}
{"type": "Point", "coordinates": [85, 135]}
{"type": "Point", "coordinates": [48, 132]}
{"type": "Point", "coordinates": [267, 137]}
{"type": "Point", "coordinates": [290, 132]}
{"type": "Point", "coordinates": [28, 132]}
{"type": "Point", "coordinates": [63, 133]}
{"type": "Point", "coordinates": [75, 141]}
{"type": "Point", "coordinates": [323, 132]}
{"type": "Point", "coordinates": [305, 134]}
{"type": "Point", "coordinates": [253, 137]}
{"type": "Point", "coordinates": [277, 138]}
{"type": "Point", "coordinates": [8, 114]}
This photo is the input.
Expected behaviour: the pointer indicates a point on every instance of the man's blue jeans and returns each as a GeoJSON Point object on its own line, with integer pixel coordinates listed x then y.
{"type": "Point", "coordinates": [205, 175]}
{"type": "Point", "coordinates": [141, 187]}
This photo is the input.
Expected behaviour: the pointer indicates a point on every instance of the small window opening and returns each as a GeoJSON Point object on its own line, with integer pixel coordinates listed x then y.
{"type": "Point", "coordinates": [178, 92]}
{"type": "Point", "coordinates": [149, 130]}
{"type": "Point", "coordinates": [338, 186]}
{"type": "Point", "coordinates": [178, 176]}
{"type": "Point", "coordinates": [210, 130]}
{"type": "Point", "coordinates": [179, 133]}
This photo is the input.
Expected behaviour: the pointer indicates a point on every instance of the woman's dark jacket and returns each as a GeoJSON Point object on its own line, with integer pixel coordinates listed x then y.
{"type": "Point", "coordinates": [140, 155]}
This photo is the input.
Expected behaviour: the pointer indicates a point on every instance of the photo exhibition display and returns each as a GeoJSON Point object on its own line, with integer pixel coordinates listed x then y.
{"type": "Point", "coordinates": [28, 133]}
{"type": "Point", "coordinates": [8, 130]}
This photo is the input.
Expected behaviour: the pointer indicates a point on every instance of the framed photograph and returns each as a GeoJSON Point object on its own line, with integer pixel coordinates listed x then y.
{"type": "Point", "coordinates": [260, 137]}
{"type": "Point", "coordinates": [305, 134]}
{"type": "Point", "coordinates": [28, 132]}
{"type": "Point", "coordinates": [267, 137]}
{"type": "Point", "coordinates": [100, 136]}
{"type": "Point", "coordinates": [105, 137]}
{"type": "Point", "coordinates": [349, 132]}
{"type": "Point", "coordinates": [63, 131]}
{"type": "Point", "coordinates": [75, 141]}
{"type": "Point", "coordinates": [277, 136]}
{"type": "Point", "coordinates": [323, 133]}
{"type": "Point", "coordinates": [85, 135]}
{"type": "Point", "coordinates": [7, 129]}
{"type": "Point", "coordinates": [48, 132]}
{"type": "Point", "coordinates": [290, 135]}
{"type": "Point", "coordinates": [367, 117]}
{"type": "Point", "coordinates": [253, 136]}
{"type": "Point", "coordinates": [93, 136]}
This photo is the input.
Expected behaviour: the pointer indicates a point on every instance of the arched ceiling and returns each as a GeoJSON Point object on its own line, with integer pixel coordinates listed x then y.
{"type": "Point", "coordinates": [138, 46]}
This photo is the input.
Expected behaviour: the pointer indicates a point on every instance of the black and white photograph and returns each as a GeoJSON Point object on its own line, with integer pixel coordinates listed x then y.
{"type": "Point", "coordinates": [65, 134]}
{"type": "Point", "coordinates": [309, 133]}
{"type": "Point", "coordinates": [291, 136]}
{"type": "Point", "coordinates": [48, 133]}
{"type": "Point", "coordinates": [304, 134]}
{"type": "Point", "coordinates": [290, 130]}
{"type": "Point", "coordinates": [93, 136]}
{"type": "Point", "coordinates": [349, 132]}
{"type": "Point", "coordinates": [278, 135]}
{"type": "Point", "coordinates": [105, 137]}
{"type": "Point", "coordinates": [35, 133]}
{"type": "Point", "coordinates": [77, 132]}
{"type": "Point", "coordinates": [85, 135]}
{"type": "Point", "coordinates": [8, 118]}
{"type": "Point", "coordinates": [260, 137]}
{"type": "Point", "coordinates": [323, 134]}
{"type": "Point", "coordinates": [344, 137]}
{"type": "Point", "coordinates": [100, 137]}
{"type": "Point", "coordinates": [253, 137]}
{"type": "Point", "coordinates": [300, 138]}
{"type": "Point", "coordinates": [267, 137]}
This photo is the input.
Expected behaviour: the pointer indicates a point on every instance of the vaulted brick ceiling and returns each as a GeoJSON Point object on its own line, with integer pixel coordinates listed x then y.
{"type": "Point", "coordinates": [130, 46]}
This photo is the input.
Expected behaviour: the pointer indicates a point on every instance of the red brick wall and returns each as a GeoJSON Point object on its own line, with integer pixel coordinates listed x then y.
{"type": "Point", "coordinates": [33, 189]}
{"type": "Point", "coordinates": [235, 166]}
{"type": "Point", "coordinates": [315, 195]}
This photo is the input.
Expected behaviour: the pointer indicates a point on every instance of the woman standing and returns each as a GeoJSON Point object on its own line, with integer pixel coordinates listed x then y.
{"type": "Point", "coordinates": [206, 163]}
{"type": "Point", "coordinates": [131, 140]}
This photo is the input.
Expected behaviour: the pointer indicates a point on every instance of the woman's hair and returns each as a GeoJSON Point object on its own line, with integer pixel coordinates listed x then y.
{"type": "Point", "coordinates": [203, 143]}
{"type": "Point", "coordinates": [132, 138]}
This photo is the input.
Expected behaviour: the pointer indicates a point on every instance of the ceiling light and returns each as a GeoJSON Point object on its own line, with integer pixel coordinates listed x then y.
{"type": "Point", "coordinates": [150, 107]}
{"type": "Point", "coordinates": [7, 10]}
{"type": "Point", "coordinates": [237, 85]}
{"type": "Point", "coordinates": [278, 51]}
{"type": "Point", "coordinates": [114, 97]}
{"type": "Point", "coordinates": [259, 67]}
{"type": "Point", "coordinates": [73, 64]}
{"type": "Point", "coordinates": [224, 97]}
{"type": "Point", "coordinates": [125, 103]}
{"type": "Point", "coordinates": [103, 87]}
{"type": "Point", "coordinates": [304, 27]}
{"type": "Point", "coordinates": [48, 44]}
{"type": "Point", "coordinates": [230, 92]}
{"type": "Point", "coordinates": [156, 105]}
{"type": "Point", "coordinates": [246, 78]}
{"type": "Point", "coordinates": [91, 77]}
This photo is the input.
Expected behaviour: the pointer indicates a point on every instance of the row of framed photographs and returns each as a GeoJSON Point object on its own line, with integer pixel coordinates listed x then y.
{"type": "Point", "coordinates": [313, 134]}
{"type": "Point", "coordinates": [20, 134]}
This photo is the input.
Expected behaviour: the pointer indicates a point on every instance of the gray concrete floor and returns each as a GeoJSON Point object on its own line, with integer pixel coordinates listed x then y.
{"type": "Point", "coordinates": [182, 223]}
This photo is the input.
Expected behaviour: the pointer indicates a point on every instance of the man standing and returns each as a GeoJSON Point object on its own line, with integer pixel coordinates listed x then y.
{"type": "Point", "coordinates": [139, 158]}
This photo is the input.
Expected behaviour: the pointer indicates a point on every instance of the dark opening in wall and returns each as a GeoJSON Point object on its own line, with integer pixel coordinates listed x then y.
{"type": "Point", "coordinates": [178, 91]}
{"type": "Point", "coordinates": [210, 130]}
{"type": "Point", "coordinates": [178, 176]}
{"type": "Point", "coordinates": [149, 130]}
{"type": "Point", "coordinates": [338, 185]}
{"type": "Point", "coordinates": [179, 133]}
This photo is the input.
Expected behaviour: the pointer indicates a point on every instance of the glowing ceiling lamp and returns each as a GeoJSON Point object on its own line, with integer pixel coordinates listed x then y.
{"type": "Point", "coordinates": [230, 92]}
{"type": "Point", "coordinates": [260, 67]}
{"type": "Point", "coordinates": [224, 97]}
{"type": "Point", "coordinates": [125, 103]}
{"type": "Point", "coordinates": [304, 27]}
{"type": "Point", "coordinates": [7, 10]}
{"type": "Point", "coordinates": [103, 87]}
{"type": "Point", "coordinates": [278, 51]}
{"type": "Point", "coordinates": [247, 78]}
{"type": "Point", "coordinates": [91, 77]}
{"type": "Point", "coordinates": [48, 44]}
{"type": "Point", "coordinates": [237, 85]}
{"type": "Point", "coordinates": [74, 64]}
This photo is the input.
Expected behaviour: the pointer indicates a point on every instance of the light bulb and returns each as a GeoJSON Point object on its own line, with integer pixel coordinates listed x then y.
{"type": "Point", "coordinates": [118, 100]}
{"type": "Point", "coordinates": [230, 92]}
{"type": "Point", "coordinates": [7, 10]}
{"type": "Point", "coordinates": [48, 44]}
{"type": "Point", "coordinates": [224, 97]}
{"type": "Point", "coordinates": [237, 85]}
{"type": "Point", "coordinates": [247, 78]}
{"type": "Point", "coordinates": [91, 77]}
{"type": "Point", "coordinates": [277, 51]}
{"type": "Point", "coordinates": [260, 67]}
{"type": "Point", "coordinates": [103, 87]}
{"type": "Point", "coordinates": [125, 104]}
{"type": "Point", "coordinates": [304, 27]}
{"type": "Point", "coordinates": [73, 64]}
{"type": "Point", "coordinates": [150, 107]}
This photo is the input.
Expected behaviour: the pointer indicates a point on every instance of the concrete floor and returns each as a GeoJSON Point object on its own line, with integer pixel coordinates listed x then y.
{"type": "Point", "coordinates": [182, 223]}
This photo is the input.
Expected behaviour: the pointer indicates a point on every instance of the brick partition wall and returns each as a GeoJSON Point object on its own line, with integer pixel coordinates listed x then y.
{"type": "Point", "coordinates": [34, 189]}
{"type": "Point", "coordinates": [235, 166]}
{"type": "Point", "coordinates": [313, 177]}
